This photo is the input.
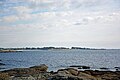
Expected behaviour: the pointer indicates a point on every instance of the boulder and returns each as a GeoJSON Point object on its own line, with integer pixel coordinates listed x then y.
{"type": "Point", "coordinates": [117, 67]}
{"type": "Point", "coordinates": [75, 66]}
{"type": "Point", "coordinates": [73, 71]}
{"type": "Point", "coordinates": [4, 76]}
{"type": "Point", "coordinates": [29, 71]}
{"type": "Point", "coordinates": [85, 76]}
{"type": "Point", "coordinates": [17, 71]}
{"type": "Point", "coordinates": [23, 78]}
{"type": "Point", "coordinates": [80, 67]}
{"type": "Point", "coordinates": [41, 68]}
{"type": "Point", "coordinates": [93, 73]}
{"type": "Point", "coordinates": [104, 68]}
{"type": "Point", "coordinates": [62, 73]}
{"type": "Point", "coordinates": [110, 76]}
{"type": "Point", "coordinates": [65, 74]}
{"type": "Point", "coordinates": [84, 67]}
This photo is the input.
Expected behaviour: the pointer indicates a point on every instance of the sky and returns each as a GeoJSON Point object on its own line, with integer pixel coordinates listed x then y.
{"type": "Point", "coordinates": [38, 23]}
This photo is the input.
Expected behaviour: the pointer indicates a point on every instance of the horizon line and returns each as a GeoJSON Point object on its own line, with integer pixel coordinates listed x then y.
{"type": "Point", "coordinates": [61, 47]}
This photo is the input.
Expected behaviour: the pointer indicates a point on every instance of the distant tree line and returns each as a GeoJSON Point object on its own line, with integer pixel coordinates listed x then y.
{"type": "Point", "coordinates": [48, 48]}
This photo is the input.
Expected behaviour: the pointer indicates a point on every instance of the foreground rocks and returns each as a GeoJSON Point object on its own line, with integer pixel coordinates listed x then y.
{"type": "Point", "coordinates": [40, 73]}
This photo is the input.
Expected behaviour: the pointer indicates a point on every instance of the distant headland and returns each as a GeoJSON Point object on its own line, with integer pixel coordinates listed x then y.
{"type": "Point", "coordinates": [5, 50]}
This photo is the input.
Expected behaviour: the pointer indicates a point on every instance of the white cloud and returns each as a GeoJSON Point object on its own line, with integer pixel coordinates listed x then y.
{"type": "Point", "coordinates": [60, 20]}
{"type": "Point", "coordinates": [15, 18]}
{"type": "Point", "coordinates": [94, 18]}
{"type": "Point", "coordinates": [12, 18]}
{"type": "Point", "coordinates": [22, 9]}
{"type": "Point", "coordinates": [74, 4]}
{"type": "Point", "coordinates": [47, 20]}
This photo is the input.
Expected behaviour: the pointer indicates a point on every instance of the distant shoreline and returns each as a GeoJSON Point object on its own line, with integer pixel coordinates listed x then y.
{"type": "Point", "coordinates": [8, 51]}
{"type": "Point", "coordinates": [46, 48]}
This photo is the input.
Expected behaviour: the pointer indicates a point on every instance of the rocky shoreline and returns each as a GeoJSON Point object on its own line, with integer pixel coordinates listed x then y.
{"type": "Point", "coordinates": [40, 73]}
{"type": "Point", "coordinates": [8, 51]}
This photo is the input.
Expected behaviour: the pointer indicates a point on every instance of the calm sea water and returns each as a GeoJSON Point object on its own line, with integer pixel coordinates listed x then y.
{"type": "Point", "coordinates": [56, 59]}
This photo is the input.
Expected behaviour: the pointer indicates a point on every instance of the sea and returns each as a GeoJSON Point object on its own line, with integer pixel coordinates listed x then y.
{"type": "Point", "coordinates": [59, 59]}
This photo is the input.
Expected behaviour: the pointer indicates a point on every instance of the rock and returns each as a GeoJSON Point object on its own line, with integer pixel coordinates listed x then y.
{"type": "Point", "coordinates": [44, 75]}
{"type": "Point", "coordinates": [73, 71]}
{"type": "Point", "coordinates": [29, 71]}
{"type": "Point", "coordinates": [75, 66]}
{"type": "Point", "coordinates": [84, 67]}
{"type": "Point", "coordinates": [18, 71]}
{"type": "Point", "coordinates": [66, 74]}
{"type": "Point", "coordinates": [62, 73]}
{"type": "Point", "coordinates": [73, 78]}
{"type": "Point", "coordinates": [40, 73]}
{"type": "Point", "coordinates": [8, 51]}
{"type": "Point", "coordinates": [23, 78]}
{"type": "Point", "coordinates": [64, 78]}
{"type": "Point", "coordinates": [104, 68]}
{"type": "Point", "coordinates": [70, 71]}
{"type": "Point", "coordinates": [52, 72]}
{"type": "Point", "coordinates": [104, 75]}
{"type": "Point", "coordinates": [41, 68]}
{"type": "Point", "coordinates": [93, 73]}
{"type": "Point", "coordinates": [117, 67]}
{"type": "Point", "coordinates": [80, 67]}
{"type": "Point", "coordinates": [85, 76]}
{"type": "Point", "coordinates": [110, 76]}
{"type": "Point", "coordinates": [4, 76]}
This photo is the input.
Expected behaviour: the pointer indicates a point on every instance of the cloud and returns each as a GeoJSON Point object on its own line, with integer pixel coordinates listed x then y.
{"type": "Point", "coordinates": [95, 18]}
{"type": "Point", "coordinates": [22, 9]}
{"type": "Point", "coordinates": [11, 7]}
{"type": "Point", "coordinates": [41, 18]}
{"type": "Point", "coordinates": [58, 5]}
{"type": "Point", "coordinates": [59, 20]}
{"type": "Point", "coordinates": [63, 12]}
{"type": "Point", "coordinates": [10, 19]}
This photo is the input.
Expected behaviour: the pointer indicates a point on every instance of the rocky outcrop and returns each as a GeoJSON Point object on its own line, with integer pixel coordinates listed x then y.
{"type": "Point", "coordinates": [40, 73]}
{"type": "Point", "coordinates": [85, 76]}
{"type": "Point", "coordinates": [27, 71]}
{"type": "Point", "coordinates": [8, 51]}
{"type": "Point", "coordinates": [41, 68]}
{"type": "Point", "coordinates": [4, 76]}
{"type": "Point", "coordinates": [80, 67]}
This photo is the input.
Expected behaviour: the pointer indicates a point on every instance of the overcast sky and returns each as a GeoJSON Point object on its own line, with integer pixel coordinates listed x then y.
{"type": "Point", "coordinates": [37, 23]}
